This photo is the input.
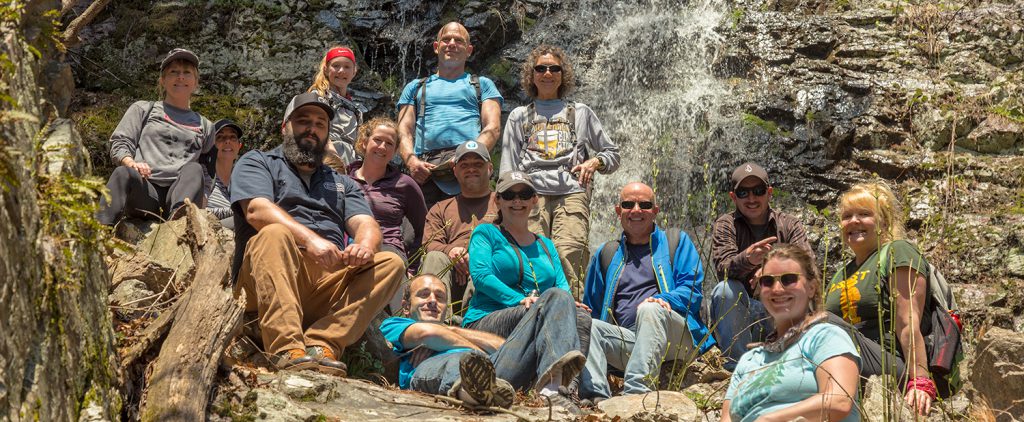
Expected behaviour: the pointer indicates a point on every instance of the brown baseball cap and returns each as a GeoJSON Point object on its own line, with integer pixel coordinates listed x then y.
{"type": "Point", "coordinates": [511, 178]}
{"type": "Point", "coordinates": [746, 170]}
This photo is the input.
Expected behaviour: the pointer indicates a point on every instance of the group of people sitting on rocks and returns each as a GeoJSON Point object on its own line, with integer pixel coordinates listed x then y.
{"type": "Point", "coordinates": [487, 286]}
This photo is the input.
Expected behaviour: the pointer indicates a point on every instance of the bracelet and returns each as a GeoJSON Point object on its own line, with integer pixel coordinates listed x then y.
{"type": "Point", "coordinates": [923, 384]}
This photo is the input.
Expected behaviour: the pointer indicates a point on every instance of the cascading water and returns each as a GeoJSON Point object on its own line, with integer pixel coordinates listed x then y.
{"type": "Point", "coordinates": [650, 81]}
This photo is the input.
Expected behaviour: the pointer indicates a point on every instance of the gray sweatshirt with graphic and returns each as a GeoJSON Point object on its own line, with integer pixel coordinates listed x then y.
{"type": "Point", "coordinates": [167, 139]}
{"type": "Point", "coordinates": [546, 149]}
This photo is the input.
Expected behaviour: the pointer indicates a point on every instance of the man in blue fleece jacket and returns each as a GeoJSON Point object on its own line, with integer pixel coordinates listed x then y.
{"type": "Point", "coordinates": [646, 300]}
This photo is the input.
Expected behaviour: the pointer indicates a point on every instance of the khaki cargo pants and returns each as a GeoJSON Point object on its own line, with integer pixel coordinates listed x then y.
{"type": "Point", "coordinates": [566, 220]}
{"type": "Point", "coordinates": [301, 304]}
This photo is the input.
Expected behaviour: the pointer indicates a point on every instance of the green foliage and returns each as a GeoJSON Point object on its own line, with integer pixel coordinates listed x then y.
{"type": "Point", "coordinates": [503, 70]}
{"type": "Point", "coordinates": [1013, 113]}
{"type": "Point", "coordinates": [362, 364]}
{"type": "Point", "coordinates": [96, 125]}
{"type": "Point", "coordinates": [391, 86]}
{"type": "Point", "coordinates": [765, 125]}
{"type": "Point", "coordinates": [705, 403]}
{"type": "Point", "coordinates": [735, 17]}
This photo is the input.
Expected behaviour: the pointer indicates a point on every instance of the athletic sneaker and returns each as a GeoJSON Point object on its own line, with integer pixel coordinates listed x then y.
{"type": "Point", "coordinates": [567, 367]}
{"type": "Point", "coordinates": [565, 402]}
{"type": "Point", "coordinates": [477, 380]}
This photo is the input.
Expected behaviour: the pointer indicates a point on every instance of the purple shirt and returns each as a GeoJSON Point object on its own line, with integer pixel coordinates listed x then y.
{"type": "Point", "coordinates": [391, 198]}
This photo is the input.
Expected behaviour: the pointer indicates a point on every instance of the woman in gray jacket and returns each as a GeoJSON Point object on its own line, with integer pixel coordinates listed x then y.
{"type": "Point", "coordinates": [560, 144]}
{"type": "Point", "coordinates": [157, 146]}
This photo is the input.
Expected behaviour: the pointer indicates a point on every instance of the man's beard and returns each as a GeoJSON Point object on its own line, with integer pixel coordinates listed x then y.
{"type": "Point", "coordinates": [306, 149]}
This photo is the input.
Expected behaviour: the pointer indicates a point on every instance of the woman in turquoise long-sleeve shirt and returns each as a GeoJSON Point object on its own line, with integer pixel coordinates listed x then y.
{"type": "Point", "coordinates": [511, 267]}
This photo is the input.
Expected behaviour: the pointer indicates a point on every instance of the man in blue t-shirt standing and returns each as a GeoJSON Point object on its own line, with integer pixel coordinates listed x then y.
{"type": "Point", "coordinates": [307, 248]}
{"type": "Point", "coordinates": [479, 367]}
{"type": "Point", "coordinates": [438, 113]}
{"type": "Point", "coordinates": [645, 293]}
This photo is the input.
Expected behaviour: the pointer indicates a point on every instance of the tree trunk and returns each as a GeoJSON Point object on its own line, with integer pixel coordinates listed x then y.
{"type": "Point", "coordinates": [207, 317]}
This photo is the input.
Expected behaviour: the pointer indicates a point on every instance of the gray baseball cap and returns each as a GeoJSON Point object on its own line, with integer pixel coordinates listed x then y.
{"type": "Point", "coordinates": [304, 99]}
{"type": "Point", "coordinates": [179, 54]}
{"type": "Point", "coordinates": [472, 147]}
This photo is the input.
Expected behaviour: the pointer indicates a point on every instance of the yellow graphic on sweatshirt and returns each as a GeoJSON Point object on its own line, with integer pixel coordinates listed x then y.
{"type": "Point", "coordinates": [550, 139]}
{"type": "Point", "coordinates": [849, 296]}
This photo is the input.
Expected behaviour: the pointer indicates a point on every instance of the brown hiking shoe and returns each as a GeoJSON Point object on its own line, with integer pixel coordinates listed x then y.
{"type": "Point", "coordinates": [294, 360]}
{"type": "Point", "coordinates": [327, 362]}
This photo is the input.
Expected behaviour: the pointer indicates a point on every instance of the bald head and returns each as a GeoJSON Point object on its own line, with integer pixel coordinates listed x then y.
{"type": "Point", "coordinates": [453, 27]}
{"type": "Point", "coordinates": [638, 189]}
{"type": "Point", "coordinates": [636, 212]}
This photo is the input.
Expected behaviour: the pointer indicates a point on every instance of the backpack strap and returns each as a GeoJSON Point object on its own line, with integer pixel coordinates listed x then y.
{"type": "Point", "coordinates": [421, 106]}
{"type": "Point", "coordinates": [609, 248]}
{"type": "Point", "coordinates": [607, 253]}
{"type": "Point", "coordinates": [673, 235]}
{"type": "Point", "coordinates": [474, 80]}
{"type": "Point", "coordinates": [145, 119]}
{"type": "Point", "coordinates": [519, 254]}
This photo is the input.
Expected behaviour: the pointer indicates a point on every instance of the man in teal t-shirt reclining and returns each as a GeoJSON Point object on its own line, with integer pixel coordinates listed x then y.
{"type": "Point", "coordinates": [478, 367]}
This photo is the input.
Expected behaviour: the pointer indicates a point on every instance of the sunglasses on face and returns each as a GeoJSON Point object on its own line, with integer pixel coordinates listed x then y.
{"type": "Point", "coordinates": [544, 68]}
{"type": "Point", "coordinates": [523, 194]}
{"type": "Point", "coordinates": [644, 205]}
{"type": "Point", "coordinates": [756, 190]}
{"type": "Point", "coordinates": [767, 281]}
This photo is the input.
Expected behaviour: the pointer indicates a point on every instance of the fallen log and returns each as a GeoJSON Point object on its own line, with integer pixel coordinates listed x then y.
{"type": "Point", "coordinates": [206, 318]}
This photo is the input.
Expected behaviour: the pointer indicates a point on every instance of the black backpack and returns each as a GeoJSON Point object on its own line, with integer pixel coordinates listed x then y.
{"type": "Point", "coordinates": [608, 251]}
{"type": "Point", "coordinates": [421, 105]}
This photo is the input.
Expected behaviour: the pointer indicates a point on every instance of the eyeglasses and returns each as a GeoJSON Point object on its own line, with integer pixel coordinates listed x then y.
{"type": "Point", "coordinates": [544, 68]}
{"type": "Point", "coordinates": [644, 205]}
{"type": "Point", "coordinates": [523, 194]}
{"type": "Point", "coordinates": [756, 190]}
{"type": "Point", "coordinates": [767, 281]}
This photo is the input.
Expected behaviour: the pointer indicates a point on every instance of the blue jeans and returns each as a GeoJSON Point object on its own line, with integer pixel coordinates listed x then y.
{"type": "Point", "coordinates": [660, 335]}
{"type": "Point", "coordinates": [737, 319]}
{"type": "Point", "coordinates": [542, 336]}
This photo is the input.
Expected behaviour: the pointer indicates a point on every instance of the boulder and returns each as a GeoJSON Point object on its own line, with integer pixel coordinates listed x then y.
{"type": "Point", "coordinates": [998, 373]}
{"type": "Point", "coordinates": [996, 134]}
{"type": "Point", "coordinates": [663, 402]}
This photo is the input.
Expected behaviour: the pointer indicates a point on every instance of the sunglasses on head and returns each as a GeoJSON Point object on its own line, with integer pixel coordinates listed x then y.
{"type": "Point", "coordinates": [543, 68]}
{"type": "Point", "coordinates": [756, 190]}
{"type": "Point", "coordinates": [644, 205]}
{"type": "Point", "coordinates": [767, 281]}
{"type": "Point", "coordinates": [523, 194]}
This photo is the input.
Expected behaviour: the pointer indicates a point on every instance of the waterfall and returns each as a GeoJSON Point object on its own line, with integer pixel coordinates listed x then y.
{"type": "Point", "coordinates": [650, 81]}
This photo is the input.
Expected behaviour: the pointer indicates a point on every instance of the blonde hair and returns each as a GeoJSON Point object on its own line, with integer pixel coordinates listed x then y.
{"type": "Point", "coordinates": [320, 83]}
{"type": "Point", "coordinates": [526, 73]}
{"type": "Point", "coordinates": [880, 200]}
{"type": "Point", "coordinates": [366, 130]}
{"type": "Point", "coordinates": [163, 72]}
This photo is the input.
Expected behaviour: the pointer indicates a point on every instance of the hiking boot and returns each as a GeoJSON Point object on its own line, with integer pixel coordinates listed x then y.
{"type": "Point", "coordinates": [563, 401]}
{"type": "Point", "coordinates": [327, 362]}
{"type": "Point", "coordinates": [294, 360]}
{"type": "Point", "coordinates": [476, 374]}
